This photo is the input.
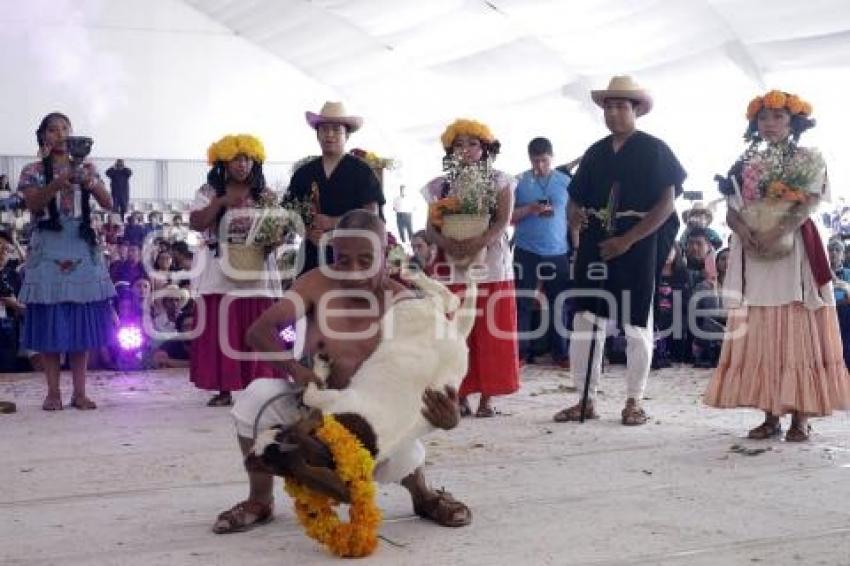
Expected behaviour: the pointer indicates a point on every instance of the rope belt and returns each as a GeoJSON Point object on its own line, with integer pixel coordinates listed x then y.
{"type": "Point", "coordinates": [601, 213]}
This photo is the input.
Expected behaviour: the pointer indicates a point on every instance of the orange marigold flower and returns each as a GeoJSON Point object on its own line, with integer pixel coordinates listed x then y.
{"type": "Point", "coordinates": [753, 107]}
{"type": "Point", "coordinates": [795, 104]}
{"type": "Point", "coordinates": [359, 536]}
{"type": "Point", "coordinates": [807, 109]}
{"type": "Point", "coordinates": [438, 209]}
{"type": "Point", "coordinates": [775, 99]}
{"type": "Point", "coordinates": [463, 126]}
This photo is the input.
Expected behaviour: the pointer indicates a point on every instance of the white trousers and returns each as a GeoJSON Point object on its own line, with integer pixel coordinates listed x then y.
{"type": "Point", "coordinates": [639, 344]}
{"type": "Point", "coordinates": [269, 402]}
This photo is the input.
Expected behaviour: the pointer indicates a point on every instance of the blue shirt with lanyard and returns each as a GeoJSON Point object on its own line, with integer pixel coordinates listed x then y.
{"type": "Point", "coordinates": [543, 235]}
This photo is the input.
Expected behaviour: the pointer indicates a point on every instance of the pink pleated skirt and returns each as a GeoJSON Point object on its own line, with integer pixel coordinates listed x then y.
{"type": "Point", "coordinates": [781, 360]}
{"type": "Point", "coordinates": [210, 367]}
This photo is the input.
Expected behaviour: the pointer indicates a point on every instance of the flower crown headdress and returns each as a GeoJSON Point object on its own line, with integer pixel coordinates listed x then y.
{"type": "Point", "coordinates": [466, 127]}
{"type": "Point", "coordinates": [230, 146]}
{"type": "Point", "coordinates": [776, 99]}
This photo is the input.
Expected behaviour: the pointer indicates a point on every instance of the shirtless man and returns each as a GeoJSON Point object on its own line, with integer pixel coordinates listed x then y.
{"type": "Point", "coordinates": [342, 306]}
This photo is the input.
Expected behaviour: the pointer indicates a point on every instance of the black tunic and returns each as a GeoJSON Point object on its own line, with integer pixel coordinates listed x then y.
{"type": "Point", "coordinates": [352, 185]}
{"type": "Point", "coordinates": [642, 170]}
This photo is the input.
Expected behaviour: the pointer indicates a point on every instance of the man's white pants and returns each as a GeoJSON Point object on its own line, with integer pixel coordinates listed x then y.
{"type": "Point", "coordinates": [639, 344]}
{"type": "Point", "coordinates": [269, 402]}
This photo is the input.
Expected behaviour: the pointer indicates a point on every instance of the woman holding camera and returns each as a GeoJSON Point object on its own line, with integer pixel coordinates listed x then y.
{"type": "Point", "coordinates": [66, 286]}
{"type": "Point", "coordinates": [782, 349]}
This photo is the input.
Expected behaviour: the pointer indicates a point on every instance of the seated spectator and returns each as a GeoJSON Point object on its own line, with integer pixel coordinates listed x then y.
{"type": "Point", "coordinates": [424, 252]}
{"type": "Point", "coordinates": [130, 269]}
{"type": "Point", "coordinates": [113, 230]}
{"type": "Point", "coordinates": [162, 245]}
{"type": "Point", "coordinates": [134, 231]}
{"type": "Point", "coordinates": [841, 287]}
{"type": "Point", "coordinates": [700, 216]}
{"type": "Point", "coordinates": [182, 260]}
{"type": "Point", "coordinates": [846, 256]}
{"type": "Point", "coordinates": [671, 297]}
{"type": "Point", "coordinates": [155, 224]}
{"type": "Point", "coordinates": [699, 257]}
{"type": "Point", "coordinates": [840, 274]}
{"type": "Point", "coordinates": [702, 280]}
{"type": "Point", "coordinates": [178, 231]}
{"type": "Point", "coordinates": [176, 314]}
{"type": "Point", "coordinates": [169, 305]}
{"type": "Point", "coordinates": [122, 250]}
{"type": "Point", "coordinates": [141, 292]}
{"type": "Point", "coordinates": [722, 263]}
{"type": "Point", "coordinates": [163, 269]}
{"type": "Point", "coordinates": [11, 310]}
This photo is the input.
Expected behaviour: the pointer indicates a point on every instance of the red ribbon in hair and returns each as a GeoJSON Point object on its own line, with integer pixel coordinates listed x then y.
{"type": "Point", "coordinates": [815, 252]}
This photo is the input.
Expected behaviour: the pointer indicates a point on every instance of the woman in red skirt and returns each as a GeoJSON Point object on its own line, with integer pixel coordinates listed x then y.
{"type": "Point", "coordinates": [231, 297]}
{"type": "Point", "coordinates": [493, 355]}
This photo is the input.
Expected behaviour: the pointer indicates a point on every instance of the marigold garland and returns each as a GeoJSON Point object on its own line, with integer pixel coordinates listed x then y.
{"type": "Point", "coordinates": [462, 126]}
{"type": "Point", "coordinates": [776, 99]}
{"type": "Point", "coordinates": [230, 146]}
{"type": "Point", "coordinates": [316, 512]}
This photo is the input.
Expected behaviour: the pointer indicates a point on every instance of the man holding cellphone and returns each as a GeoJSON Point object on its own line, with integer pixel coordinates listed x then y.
{"type": "Point", "coordinates": [543, 240]}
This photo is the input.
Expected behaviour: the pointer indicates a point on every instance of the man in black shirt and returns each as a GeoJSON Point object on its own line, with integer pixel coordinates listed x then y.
{"type": "Point", "coordinates": [622, 198]}
{"type": "Point", "coordinates": [334, 183]}
{"type": "Point", "coordinates": [119, 186]}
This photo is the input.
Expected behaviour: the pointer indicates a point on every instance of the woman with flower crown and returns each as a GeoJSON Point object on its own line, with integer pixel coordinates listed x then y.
{"type": "Point", "coordinates": [470, 149]}
{"type": "Point", "coordinates": [782, 350]}
{"type": "Point", "coordinates": [222, 212]}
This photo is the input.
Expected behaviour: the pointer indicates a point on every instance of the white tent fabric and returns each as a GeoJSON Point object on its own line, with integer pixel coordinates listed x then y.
{"type": "Point", "coordinates": [170, 75]}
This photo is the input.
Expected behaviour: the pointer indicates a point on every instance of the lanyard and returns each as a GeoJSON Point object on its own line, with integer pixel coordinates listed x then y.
{"type": "Point", "coordinates": [543, 188]}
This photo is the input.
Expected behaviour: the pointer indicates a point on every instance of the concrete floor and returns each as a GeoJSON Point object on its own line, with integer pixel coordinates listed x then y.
{"type": "Point", "coordinates": [140, 480]}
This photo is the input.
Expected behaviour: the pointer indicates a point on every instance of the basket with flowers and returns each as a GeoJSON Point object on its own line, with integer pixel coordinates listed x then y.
{"type": "Point", "coordinates": [252, 235]}
{"type": "Point", "coordinates": [775, 182]}
{"type": "Point", "coordinates": [466, 211]}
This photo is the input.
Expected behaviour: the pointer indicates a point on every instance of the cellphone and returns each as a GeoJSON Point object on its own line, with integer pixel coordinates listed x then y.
{"type": "Point", "coordinates": [545, 202]}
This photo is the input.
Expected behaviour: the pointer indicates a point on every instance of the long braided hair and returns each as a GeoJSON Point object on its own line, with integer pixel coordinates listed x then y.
{"type": "Point", "coordinates": [217, 179]}
{"type": "Point", "coordinates": [52, 222]}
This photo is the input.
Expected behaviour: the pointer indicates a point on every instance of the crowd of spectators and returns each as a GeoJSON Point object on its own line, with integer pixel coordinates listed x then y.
{"type": "Point", "coordinates": [143, 258]}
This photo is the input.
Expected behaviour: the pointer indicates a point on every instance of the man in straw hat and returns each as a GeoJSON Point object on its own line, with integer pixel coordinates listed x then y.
{"type": "Point", "coordinates": [700, 216]}
{"type": "Point", "coordinates": [336, 182]}
{"type": "Point", "coordinates": [623, 198]}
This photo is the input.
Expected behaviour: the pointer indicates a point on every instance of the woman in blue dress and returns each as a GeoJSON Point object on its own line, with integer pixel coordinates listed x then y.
{"type": "Point", "coordinates": [66, 287]}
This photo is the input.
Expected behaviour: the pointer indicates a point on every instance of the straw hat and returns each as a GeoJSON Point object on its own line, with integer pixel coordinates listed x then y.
{"type": "Point", "coordinates": [172, 291]}
{"type": "Point", "coordinates": [334, 113]}
{"type": "Point", "coordinates": [698, 207]}
{"type": "Point", "coordinates": [624, 86]}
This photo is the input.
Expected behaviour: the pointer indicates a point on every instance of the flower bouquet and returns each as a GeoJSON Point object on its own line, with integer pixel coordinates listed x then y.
{"type": "Point", "coordinates": [775, 181]}
{"type": "Point", "coordinates": [374, 160]}
{"type": "Point", "coordinates": [465, 213]}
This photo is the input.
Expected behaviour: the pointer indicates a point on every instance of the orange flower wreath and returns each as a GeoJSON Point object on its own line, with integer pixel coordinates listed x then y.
{"type": "Point", "coordinates": [316, 512]}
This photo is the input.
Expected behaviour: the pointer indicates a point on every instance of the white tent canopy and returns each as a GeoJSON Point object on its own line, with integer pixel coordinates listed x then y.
{"type": "Point", "coordinates": [162, 78]}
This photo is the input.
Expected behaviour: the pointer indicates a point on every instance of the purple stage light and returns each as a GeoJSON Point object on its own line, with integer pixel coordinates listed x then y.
{"type": "Point", "coordinates": [130, 337]}
{"type": "Point", "coordinates": [288, 336]}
